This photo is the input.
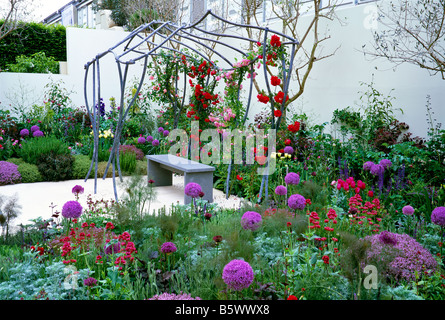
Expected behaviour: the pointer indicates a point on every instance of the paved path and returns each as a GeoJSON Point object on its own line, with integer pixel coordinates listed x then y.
{"type": "Point", "coordinates": [36, 199]}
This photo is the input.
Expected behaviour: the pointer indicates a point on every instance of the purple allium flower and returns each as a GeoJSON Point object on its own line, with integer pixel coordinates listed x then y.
{"type": "Point", "coordinates": [237, 275]}
{"type": "Point", "coordinates": [35, 128]}
{"type": "Point", "coordinates": [296, 201]}
{"type": "Point", "coordinates": [150, 139]}
{"type": "Point", "coordinates": [24, 132]}
{"type": "Point", "coordinates": [386, 237]}
{"type": "Point", "coordinates": [90, 282]}
{"type": "Point", "coordinates": [112, 248]}
{"type": "Point", "coordinates": [37, 134]}
{"type": "Point", "coordinates": [168, 247]}
{"type": "Point", "coordinates": [376, 169]}
{"type": "Point", "coordinates": [407, 256]}
{"type": "Point", "coordinates": [9, 173]}
{"type": "Point", "coordinates": [281, 190]}
{"type": "Point", "coordinates": [193, 189]}
{"type": "Point", "coordinates": [288, 149]}
{"type": "Point", "coordinates": [292, 178]}
{"type": "Point", "coordinates": [173, 296]}
{"type": "Point", "coordinates": [438, 216]}
{"type": "Point", "coordinates": [160, 129]}
{"type": "Point", "coordinates": [155, 142]}
{"type": "Point", "coordinates": [166, 133]}
{"type": "Point", "coordinates": [141, 140]}
{"type": "Point", "coordinates": [72, 210]}
{"type": "Point", "coordinates": [385, 163]}
{"type": "Point", "coordinates": [78, 189]}
{"type": "Point", "coordinates": [251, 220]}
{"type": "Point", "coordinates": [408, 210]}
{"type": "Point", "coordinates": [367, 165]}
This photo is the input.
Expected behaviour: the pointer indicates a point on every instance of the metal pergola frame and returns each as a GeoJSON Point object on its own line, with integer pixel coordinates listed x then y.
{"type": "Point", "coordinates": [166, 31]}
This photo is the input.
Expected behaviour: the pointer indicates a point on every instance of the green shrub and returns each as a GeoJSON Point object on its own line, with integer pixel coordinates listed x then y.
{"type": "Point", "coordinates": [81, 166]}
{"type": "Point", "coordinates": [29, 172]}
{"type": "Point", "coordinates": [141, 167]}
{"type": "Point", "coordinates": [36, 63]}
{"type": "Point", "coordinates": [30, 38]}
{"type": "Point", "coordinates": [127, 162]}
{"type": "Point", "coordinates": [16, 161]}
{"type": "Point", "coordinates": [35, 147]}
{"type": "Point", "coordinates": [55, 167]}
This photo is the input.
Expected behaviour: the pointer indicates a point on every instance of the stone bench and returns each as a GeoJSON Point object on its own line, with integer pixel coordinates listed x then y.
{"type": "Point", "coordinates": [160, 168]}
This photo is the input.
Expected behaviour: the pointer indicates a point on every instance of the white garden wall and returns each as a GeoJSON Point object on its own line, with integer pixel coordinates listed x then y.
{"type": "Point", "coordinates": [334, 82]}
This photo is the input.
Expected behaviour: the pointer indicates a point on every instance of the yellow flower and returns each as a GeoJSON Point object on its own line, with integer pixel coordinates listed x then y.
{"type": "Point", "coordinates": [273, 155]}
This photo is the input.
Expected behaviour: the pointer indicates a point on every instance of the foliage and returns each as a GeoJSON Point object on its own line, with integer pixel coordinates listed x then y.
{"type": "Point", "coordinates": [54, 166]}
{"type": "Point", "coordinates": [31, 38]}
{"type": "Point", "coordinates": [30, 173]}
{"type": "Point", "coordinates": [34, 148]}
{"type": "Point", "coordinates": [36, 63]}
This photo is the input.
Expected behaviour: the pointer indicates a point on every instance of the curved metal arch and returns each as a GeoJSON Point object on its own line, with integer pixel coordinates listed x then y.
{"type": "Point", "coordinates": [167, 31]}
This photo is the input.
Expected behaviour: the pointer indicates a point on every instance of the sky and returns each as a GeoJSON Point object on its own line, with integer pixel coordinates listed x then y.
{"type": "Point", "coordinates": [46, 7]}
{"type": "Point", "coordinates": [40, 8]}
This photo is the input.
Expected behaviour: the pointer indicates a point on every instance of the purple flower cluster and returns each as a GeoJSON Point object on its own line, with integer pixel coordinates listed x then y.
{"type": "Point", "coordinates": [376, 169]}
{"type": "Point", "coordinates": [387, 237]}
{"type": "Point", "coordinates": [237, 275]}
{"type": "Point", "coordinates": [292, 178]}
{"type": "Point", "coordinates": [288, 149]}
{"type": "Point", "coordinates": [155, 143]}
{"type": "Point", "coordinates": [90, 282]}
{"type": "Point", "coordinates": [281, 190]}
{"type": "Point", "coordinates": [173, 296]}
{"type": "Point", "coordinates": [168, 247]}
{"type": "Point", "coordinates": [409, 257]}
{"type": "Point", "coordinates": [77, 189]}
{"type": "Point", "coordinates": [166, 133]}
{"type": "Point", "coordinates": [408, 210]}
{"type": "Point", "coordinates": [141, 140]}
{"type": "Point", "coordinates": [296, 201]}
{"type": "Point", "coordinates": [35, 128]}
{"type": "Point", "coordinates": [72, 210]}
{"type": "Point", "coordinates": [150, 139]}
{"type": "Point", "coordinates": [112, 248]}
{"type": "Point", "coordinates": [37, 134]}
{"type": "Point", "coordinates": [251, 220]}
{"type": "Point", "coordinates": [160, 130]}
{"type": "Point", "coordinates": [193, 189]}
{"type": "Point", "coordinates": [438, 216]}
{"type": "Point", "coordinates": [9, 173]}
{"type": "Point", "coordinates": [24, 132]}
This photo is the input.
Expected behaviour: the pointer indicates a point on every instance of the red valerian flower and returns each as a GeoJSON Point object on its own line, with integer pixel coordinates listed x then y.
{"type": "Point", "coordinates": [275, 81]}
{"type": "Point", "coordinates": [277, 113]}
{"type": "Point", "coordinates": [238, 177]}
{"type": "Point", "coordinates": [294, 127]}
{"type": "Point", "coordinates": [275, 41]}
{"type": "Point", "coordinates": [325, 259]}
{"type": "Point", "coordinates": [263, 98]}
{"type": "Point", "coordinates": [280, 96]}
{"type": "Point", "coordinates": [292, 297]}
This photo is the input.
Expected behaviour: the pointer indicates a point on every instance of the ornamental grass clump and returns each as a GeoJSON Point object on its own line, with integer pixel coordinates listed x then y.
{"type": "Point", "coordinates": [251, 220]}
{"type": "Point", "coordinates": [237, 275]}
{"type": "Point", "coordinates": [408, 257]}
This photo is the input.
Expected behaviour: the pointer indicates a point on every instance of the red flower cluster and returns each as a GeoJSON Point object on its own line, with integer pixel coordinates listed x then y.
{"type": "Point", "coordinates": [275, 81]}
{"type": "Point", "coordinates": [279, 97]}
{"type": "Point", "coordinates": [277, 113]}
{"type": "Point", "coordinates": [325, 259]}
{"type": "Point", "coordinates": [363, 213]}
{"type": "Point", "coordinates": [350, 183]}
{"type": "Point", "coordinates": [275, 41]}
{"type": "Point", "coordinates": [294, 127]}
{"type": "Point", "coordinates": [41, 250]}
{"type": "Point", "coordinates": [263, 98]}
{"type": "Point", "coordinates": [314, 220]}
